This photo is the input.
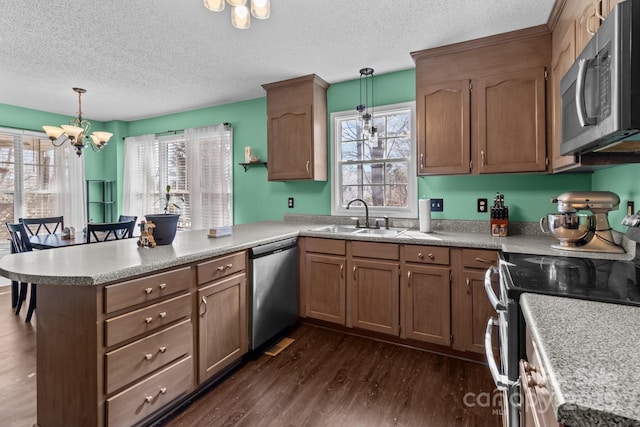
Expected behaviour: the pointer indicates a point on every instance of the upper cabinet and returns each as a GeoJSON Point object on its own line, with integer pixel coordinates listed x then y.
{"type": "Point", "coordinates": [481, 105]}
{"type": "Point", "coordinates": [297, 129]}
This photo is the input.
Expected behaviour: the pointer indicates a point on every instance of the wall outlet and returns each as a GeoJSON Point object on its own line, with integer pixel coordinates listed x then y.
{"type": "Point", "coordinates": [290, 203]}
{"type": "Point", "coordinates": [437, 205]}
{"type": "Point", "coordinates": [482, 205]}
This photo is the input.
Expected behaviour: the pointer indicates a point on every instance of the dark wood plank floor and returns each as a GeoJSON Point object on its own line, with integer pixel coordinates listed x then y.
{"type": "Point", "coordinates": [327, 378]}
{"type": "Point", "coordinates": [324, 378]}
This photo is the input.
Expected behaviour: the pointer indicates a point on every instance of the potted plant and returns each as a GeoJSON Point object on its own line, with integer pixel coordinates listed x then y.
{"type": "Point", "coordinates": [166, 224]}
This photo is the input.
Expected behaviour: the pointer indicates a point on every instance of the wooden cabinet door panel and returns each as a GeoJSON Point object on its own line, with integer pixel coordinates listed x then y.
{"type": "Point", "coordinates": [481, 310]}
{"type": "Point", "coordinates": [223, 327]}
{"type": "Point", "coordinates": [289, 148]}
{"type": "Point", "coordinates": [427, 314]}
{"type": "Point", "coordinates": [587, 23]}
{"type": "Point", "coordinates": [512, 122]}
{"type": "Point", "coordinates": [325, 288]}
{"type": "Point", "coordinates": [444, 144]}
{"type": "Point", "coordinates": [375, 296]}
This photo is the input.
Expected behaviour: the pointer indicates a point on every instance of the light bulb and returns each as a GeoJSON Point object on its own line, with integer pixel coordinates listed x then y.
{"type": "Point", "coordinates": [214, 5]}
{"type": "Point", "coordinates": [240, 17]}
{"type": "Point", "coordinates": [237, 2]}
{"type": "Point", "coordinates": [260, 9]}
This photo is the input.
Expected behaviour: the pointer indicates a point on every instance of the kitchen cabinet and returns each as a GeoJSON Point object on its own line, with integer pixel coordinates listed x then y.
{"type": "Point", "coordinates": [297, 129]}
{"type": "Point", "coordinates": [373, 287]}
{"type": "Point", "coordinates": [323, 280]}
{"type": "Point", "coordinates": [222, 314]}
{"type": "Point", "coordinates": [471, 308]}
{"type": "Point", "coordinates": [426, 294]}
{"type": "Point", "coordinates": [481, 105]}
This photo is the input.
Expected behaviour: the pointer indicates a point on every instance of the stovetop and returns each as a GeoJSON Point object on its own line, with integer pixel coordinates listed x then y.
{"type": "Point", "coordinates": [585, 278]}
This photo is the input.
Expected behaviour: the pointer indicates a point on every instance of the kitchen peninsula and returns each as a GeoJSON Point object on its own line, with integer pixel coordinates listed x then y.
{"type": "Point", "coordinates": [103, 306]}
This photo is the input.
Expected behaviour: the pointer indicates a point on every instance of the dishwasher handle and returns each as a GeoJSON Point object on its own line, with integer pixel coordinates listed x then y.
{"type": "Point", "coordinates": [273, 247]}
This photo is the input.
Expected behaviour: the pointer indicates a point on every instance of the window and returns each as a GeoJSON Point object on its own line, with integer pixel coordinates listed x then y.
{"type": "Point", "coordinates": [38, 179]}
{"type": "Point", "coordinates": [197, 166]}
{"type": "Point", "coordinates": [381, 174]}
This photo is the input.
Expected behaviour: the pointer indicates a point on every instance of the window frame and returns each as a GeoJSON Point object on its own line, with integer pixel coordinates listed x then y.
{"type": "Point", "coordinates": [337, 209]}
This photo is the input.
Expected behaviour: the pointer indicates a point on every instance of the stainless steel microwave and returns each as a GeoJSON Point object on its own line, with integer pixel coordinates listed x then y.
{"type": "Point", "coordinates": [601, 91]}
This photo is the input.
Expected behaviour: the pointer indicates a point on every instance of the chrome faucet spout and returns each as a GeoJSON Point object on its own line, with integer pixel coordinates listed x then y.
{"type": "Point", "coordinates": [366, 210]}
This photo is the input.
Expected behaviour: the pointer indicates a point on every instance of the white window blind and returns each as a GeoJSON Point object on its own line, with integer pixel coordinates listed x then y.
{"type": "Point", "coordinates": [197, 166]}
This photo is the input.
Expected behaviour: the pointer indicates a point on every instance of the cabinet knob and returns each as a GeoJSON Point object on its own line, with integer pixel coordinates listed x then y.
{"type": "Point", "coordinates": [420, 255]}
{"type": "Point", "coordinates": [148, 290]}
{"type": "Point", "coordinates": [220, 268]}
{"type": "Point", "coordinates": [229, 265]}
{"type": "Point", "coordinates": [163, 314]}
{"type": "Point", "coordinates": [148, 399]}
{"type": "Point", "coordinates": [163, 390]}
{"type": "Point", "coordinates": [162, 349]}
{"type": "Point", "coordinates": [162, 286]}
{"type": "Point", "coordinates": [431, 257]}
{"type": "Point", "coordinates": [148, 356]}
{"type": "Point", "coordinates": [148, 320]}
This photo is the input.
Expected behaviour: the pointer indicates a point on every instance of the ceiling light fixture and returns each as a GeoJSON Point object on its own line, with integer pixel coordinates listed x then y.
{"type": "Point", "coordinates": [76, 131]}
{"type": "Point", "coordinates": [369, 132]}
{"type": "Point", "coordinates": [240, 16]}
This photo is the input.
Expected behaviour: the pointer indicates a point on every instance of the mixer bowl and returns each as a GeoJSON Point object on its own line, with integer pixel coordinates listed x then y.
{"type": "Point", "coordinates": [568, 228]}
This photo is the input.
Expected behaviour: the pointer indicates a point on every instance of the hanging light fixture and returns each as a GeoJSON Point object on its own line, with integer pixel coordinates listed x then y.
{"type": "Point", "coordinates": [240, 13]}
{"type": "Point", "coordinates": [76, 131]}
{"type": "Point", "coordinates": [369, 132]}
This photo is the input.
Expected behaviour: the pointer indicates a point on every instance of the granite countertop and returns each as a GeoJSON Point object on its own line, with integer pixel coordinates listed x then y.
{"type": "Point", "coordinates": [591, 355]}
{"type": "Point", "coordinates": [107, 262]}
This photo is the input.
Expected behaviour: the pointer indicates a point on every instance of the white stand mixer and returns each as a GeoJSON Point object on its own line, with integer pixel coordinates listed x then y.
{"type": "Point", "coordinates": [599, 237]}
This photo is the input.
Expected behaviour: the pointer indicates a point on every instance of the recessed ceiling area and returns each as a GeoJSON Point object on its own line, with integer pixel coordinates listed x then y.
{"type": "Point", "coordinates": [145, 58]}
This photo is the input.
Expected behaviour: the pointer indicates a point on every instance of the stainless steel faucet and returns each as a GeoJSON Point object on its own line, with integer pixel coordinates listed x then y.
{"type": "Point", "coordinates": [366, 211]}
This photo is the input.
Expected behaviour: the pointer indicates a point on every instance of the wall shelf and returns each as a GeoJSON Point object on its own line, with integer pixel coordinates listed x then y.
{"type": "Point", "coordinates": [246, 165]}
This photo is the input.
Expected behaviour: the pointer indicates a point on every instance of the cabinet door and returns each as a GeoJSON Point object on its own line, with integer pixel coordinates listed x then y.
{"type": "Point", "coordinates": [426, 304]}
{"type": "Point", "coordinates": [607, 6]}
{"type": "Point", "coordinates": [325, 290]}
{"type": "Point", "coordinates": [222, 325]}
{"type": "Point", "coordinates": [290, 144]}
{"type": "Point", "coordinates": [444, 143]}
{"type": "Point", "coordinates": [475, 313]}
{"type": "Point", "coordinates": [512, 122]}
{"type": "Point", "coordinates": [375, 295]}
{"type": "Point", "coordinates": [587, 23]}
{"type": "Point", "coordinates": [563, 56]}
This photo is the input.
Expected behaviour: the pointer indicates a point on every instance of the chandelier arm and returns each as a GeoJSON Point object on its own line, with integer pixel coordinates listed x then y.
{"type": "Point", "coordinates": [59, 141]}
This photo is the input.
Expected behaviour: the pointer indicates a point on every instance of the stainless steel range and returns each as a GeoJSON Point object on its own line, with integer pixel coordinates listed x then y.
{"type": "Point", "coordinates": [594, 279]}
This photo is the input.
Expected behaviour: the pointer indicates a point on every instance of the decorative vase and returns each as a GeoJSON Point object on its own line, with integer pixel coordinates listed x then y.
{"type": "Point", "coordinates": [165, 229]}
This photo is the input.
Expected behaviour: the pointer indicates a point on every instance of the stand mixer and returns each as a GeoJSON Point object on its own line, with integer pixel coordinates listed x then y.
{"type": "Point", "coordinates": [586, 233]}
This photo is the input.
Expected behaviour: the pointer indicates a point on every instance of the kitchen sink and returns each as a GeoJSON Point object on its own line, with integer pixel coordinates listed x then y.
{"type": "Point", "coordinates": [351, 229]}
{"type": "Point", "coordinates": [336, 229]}
{"type": "Point", "coordinates": [380, 231]}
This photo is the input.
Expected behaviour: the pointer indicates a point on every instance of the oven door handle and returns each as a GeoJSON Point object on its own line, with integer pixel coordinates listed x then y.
{"type": "Point", "coordinates": [501, 381]}
{"type": "Point", "coordinates": [493, 299]}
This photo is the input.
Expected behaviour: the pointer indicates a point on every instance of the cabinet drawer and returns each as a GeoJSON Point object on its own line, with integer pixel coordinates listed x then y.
{"type": "Point", "coordinates": [133, 361]}
{"type": "Point", "coordinates": [479, 258]}
{"type": "Point", "coordinates": [375, 250]}
{"type": "Point", "coordinates": [325, 246]}
{"type": "Point", "coordinates": [426, 254]}
{"type": "Point", "coordinates": [146, 319]}
{"type": "Point", "coordinates": [221, 267]}
{"type": "Point", "coordinates": [130, 293]}
{"type": "Point", "coordinates": [146, 397]}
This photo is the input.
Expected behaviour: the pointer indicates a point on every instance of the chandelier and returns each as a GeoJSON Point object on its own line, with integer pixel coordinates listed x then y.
{"type": "Point", "coordinates": [240, 16]}
{"type": "Point", "coordinates": [369, 132]}
{"type": "Point", "coordinates": [76, 131]}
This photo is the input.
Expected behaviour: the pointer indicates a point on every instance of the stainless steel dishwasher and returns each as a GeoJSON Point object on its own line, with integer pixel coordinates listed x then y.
{"type": "Point", "coordinates": [273, 290]}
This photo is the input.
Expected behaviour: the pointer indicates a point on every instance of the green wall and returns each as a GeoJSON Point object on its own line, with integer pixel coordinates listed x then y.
{"type": "Point", "coordinates": [256, 199]}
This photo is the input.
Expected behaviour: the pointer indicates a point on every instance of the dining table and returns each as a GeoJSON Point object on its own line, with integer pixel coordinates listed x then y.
{"type": "Point", "coordinates": [51, 241]}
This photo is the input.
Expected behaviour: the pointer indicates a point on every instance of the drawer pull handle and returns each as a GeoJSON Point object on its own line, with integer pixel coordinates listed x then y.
{"type": "Point", "coordinates": [420, 255]}
{"type": "Point", "coordinates": [163, 390]}
{"type": "Point", "coordinates": [162, 286]}
{"type": "Point", "coordinates": [148, 356]}
{"type": "Point", "coordinates": [341, 271]}
{"type": "Point", "coordinates": [354, 273]}
{"type": "Point", "coordinates": [203, 303]}
{"type": "Point", "coordinates": [468, 286]}
{"type": "Point", "coordinates": [408, 278]}
{"type": "Point", "coordinates": [148, 399]}
{"type": "Point", "coordinates": [148, 290]}
{"type": "Point", "coordinates": [484, 261]}
{"type": "Point", "coordinates": [163, 314]}
{"type": "Point", "coordinates": [162, 349]}
{"type": "Point", "coordinates": [148, 319]}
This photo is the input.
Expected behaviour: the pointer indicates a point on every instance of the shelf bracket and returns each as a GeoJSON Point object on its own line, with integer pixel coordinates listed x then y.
{"type": "Point", "coordinates": [246, 165]}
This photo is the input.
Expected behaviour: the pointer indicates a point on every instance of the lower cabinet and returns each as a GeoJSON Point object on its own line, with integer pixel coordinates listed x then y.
{"type": "Point", "coordinates": [222, 315]}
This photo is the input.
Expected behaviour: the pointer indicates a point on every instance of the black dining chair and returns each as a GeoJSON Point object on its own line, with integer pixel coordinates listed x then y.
{"type": "Point", "coordinates": [20, 243]}
{"type": "Point", "coordinates": [127, 218]}
{"type": "Point", "coordinates": [48, 225]}
{"type": "Point", "coordinates": [101, 232]}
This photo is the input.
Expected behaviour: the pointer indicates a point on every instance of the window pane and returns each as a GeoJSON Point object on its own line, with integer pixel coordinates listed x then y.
{"type": "Point", "coordinates": [352, 151]}
{"type": "Point", "coordinates": [397, 173]}
{"type": "Point", "coordinates": [373, 195]}
{"type": "Point", "coordinates": [351, 175]}
{"type": "Point", "coordinates": [399, 125]}
{"type": "Point", "coordinates": [38, 177]}
{"type": "Point", "coordinates": [396, 195]}
{"type": "Point", "coordinates": [398, 148]}
{"type": "Point", "coordinates": [373, 173]}
{"type": "Point", "coordinates": [349, 193]}
{"type": "Point", "coordinates": [349, 130]}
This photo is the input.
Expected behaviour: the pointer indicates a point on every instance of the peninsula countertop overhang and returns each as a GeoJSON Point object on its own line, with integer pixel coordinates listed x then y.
{"type": "Point", "coordinates": [109, 262]}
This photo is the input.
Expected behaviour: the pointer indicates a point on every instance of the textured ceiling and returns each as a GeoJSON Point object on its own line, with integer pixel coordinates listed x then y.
{"type": "Point", "coordinates": [144, 58]}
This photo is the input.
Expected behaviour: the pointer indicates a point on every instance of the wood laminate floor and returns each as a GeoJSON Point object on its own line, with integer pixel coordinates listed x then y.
{"type": "Point", "coordinates": [324, 378]}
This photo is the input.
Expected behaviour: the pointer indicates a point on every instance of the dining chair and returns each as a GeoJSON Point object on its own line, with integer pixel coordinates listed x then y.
{"type": "Point", "coordinates": [127, 218]}
{"type": "Point", "coordinates": [50, 225]}
{"type": "Point", "coordinates": [101, 232]}
{"type": "Point", "coordinates": [20, 243]}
